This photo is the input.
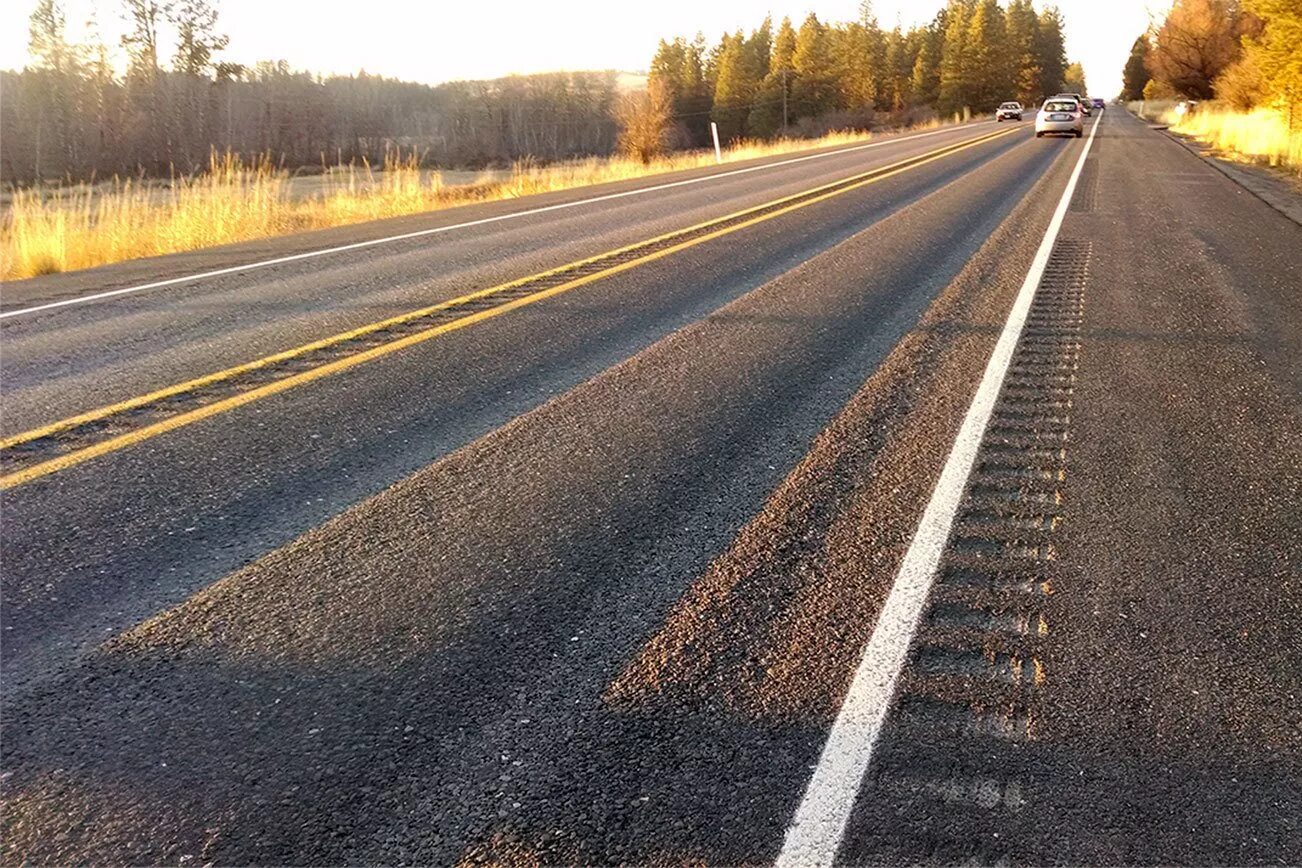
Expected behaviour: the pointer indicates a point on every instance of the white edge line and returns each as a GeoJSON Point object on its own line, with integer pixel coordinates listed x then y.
{"type": "Point", "coordinates": [814, 835]}
{"type": "Point", "coordinates": [311, 254]}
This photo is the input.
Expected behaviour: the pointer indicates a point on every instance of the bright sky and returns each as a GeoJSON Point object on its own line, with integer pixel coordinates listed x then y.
{"type": "Point", "coordinates": [437, 41]}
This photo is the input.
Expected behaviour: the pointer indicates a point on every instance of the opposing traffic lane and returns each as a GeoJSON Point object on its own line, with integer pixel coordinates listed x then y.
{"type": "Point", "coordinates": [126, 278]}
{"type": "Point", "coordinates": [187, 507]}
{"type": "Point", "coordinates": [71, 359]}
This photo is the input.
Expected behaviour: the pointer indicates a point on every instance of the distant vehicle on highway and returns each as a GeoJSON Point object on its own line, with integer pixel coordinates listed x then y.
{"type": "Point", "coordinates": [1009, 111]}
{"type": "Point", "coordinates": [1060, 115]}
{"type": "Point", "coordinates": [1084, 103]}
{"type": "Point", "coordinates": [1098, 102]}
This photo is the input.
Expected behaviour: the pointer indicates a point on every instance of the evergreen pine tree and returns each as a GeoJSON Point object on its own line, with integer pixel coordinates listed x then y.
{"type": "Point", "coordinates": [1024, 70]}
{"type": "Point", "coordinates": [988, 78]}
{"type": "Point", "coordinates": [766, 115]}
{"type": "Point", "coordinates": [815, 89]}
{"type": "Point", "coordinates": [926, 68]}
{"type": "Point", "coordinates": [895, 92]}
{"type": "Point", "coordinates": [696, 112]}
{"type": "Point", "coordinates": [676, 70]}
{"type": "Point", "coordinates": [1073, 79]}
{"type": "Point", "coordinates": [876, 46]}
{"type": "Point", "coordinates": [784, 48]}
{"type": "Point", "coordinates": [854, 65]}
{"type": "Point", "coordinates": [1050, 52]}
{"type": "Point", "coordinates": [955, 65]}
{"type": "Point", "coordinates": [1135, 75]}
{"type": "Point", "coordinates": [197, 39]}
{"type": "Point", "coordinates": [667, 72]}
{"type": "Point", "coordinates": [760, 45]}
{"type": "Point", "coordinates": [736, 83]}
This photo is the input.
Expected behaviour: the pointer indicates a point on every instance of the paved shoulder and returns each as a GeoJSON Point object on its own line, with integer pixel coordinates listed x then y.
{"type": "Point", "coordinates": [1182, 596]}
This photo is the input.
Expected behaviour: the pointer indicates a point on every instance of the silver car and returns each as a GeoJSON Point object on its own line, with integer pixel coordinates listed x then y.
{"type": "Point", "coordinates": [1060, 116]}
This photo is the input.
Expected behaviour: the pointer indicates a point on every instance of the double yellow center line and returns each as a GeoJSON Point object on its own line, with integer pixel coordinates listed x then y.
{"type": "Point", "coordinates": [68, 442]}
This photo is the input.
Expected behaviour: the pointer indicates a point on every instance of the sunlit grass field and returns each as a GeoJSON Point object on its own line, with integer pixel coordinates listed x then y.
{"type": "Point", "coordinates": [50, 231]}
{"type": "Point", "coordinates": [1260, 136]}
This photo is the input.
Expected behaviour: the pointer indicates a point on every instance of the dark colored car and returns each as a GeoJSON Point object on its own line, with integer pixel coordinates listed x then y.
{"type": "Point", "coordinates": [1097, 102]}
{"type": "Point", "coordinates": [1084, 103]}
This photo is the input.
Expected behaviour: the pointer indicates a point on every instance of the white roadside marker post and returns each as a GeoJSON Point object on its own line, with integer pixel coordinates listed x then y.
{"type": "Point", "coordinates": [718, 154]}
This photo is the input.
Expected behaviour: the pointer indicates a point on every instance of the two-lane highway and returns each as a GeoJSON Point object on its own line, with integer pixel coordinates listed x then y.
{"type": "Point", "coordinates": [583, 569]}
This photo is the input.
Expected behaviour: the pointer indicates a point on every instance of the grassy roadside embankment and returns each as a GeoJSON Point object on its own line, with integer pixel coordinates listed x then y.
{"type": "Point", "coordinates": [1259, 137]}
{"type": "Point", "coordinates": [44, 232]}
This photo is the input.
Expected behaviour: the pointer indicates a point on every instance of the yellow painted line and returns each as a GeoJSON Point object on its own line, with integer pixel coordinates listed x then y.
{"type": "Point", "coordinates": [227, 373]}
{"type": "Point", "coordinates": [122, 441]}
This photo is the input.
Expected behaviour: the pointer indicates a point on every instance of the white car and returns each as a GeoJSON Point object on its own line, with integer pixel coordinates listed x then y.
{"type": "Point", "coordinates": [1060, 116]}
{"type": "Point", "coordinates": [1009, 111]}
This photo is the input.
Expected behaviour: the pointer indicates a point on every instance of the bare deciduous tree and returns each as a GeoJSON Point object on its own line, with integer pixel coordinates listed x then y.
{"type": "Point", "coordinates": [1197, 42]}
{"type": "Point", "coordinates": [197, 39]}
{"type": "Point", "coordinates": [644, 122]}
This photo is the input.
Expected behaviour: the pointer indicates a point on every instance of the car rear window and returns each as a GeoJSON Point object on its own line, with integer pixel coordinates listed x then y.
{"type": "Point", "coordinates": [1060, 106]}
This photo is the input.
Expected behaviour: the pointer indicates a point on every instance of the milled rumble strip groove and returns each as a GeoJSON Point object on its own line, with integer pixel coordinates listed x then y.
{"type": "Point", "coordinates": [96, 425]}
{"type": "Point", "coordinates": [975, 679]}
{"type": "Point", "coordinates": [814, 835]}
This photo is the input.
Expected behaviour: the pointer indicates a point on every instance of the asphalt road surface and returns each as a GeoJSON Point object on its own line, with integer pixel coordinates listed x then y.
{"type": "Point", "coordinates": [937, 501]}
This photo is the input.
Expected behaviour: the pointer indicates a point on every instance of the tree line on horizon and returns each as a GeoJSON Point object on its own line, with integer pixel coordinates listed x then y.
{"type": "Point", "coordinates": [821, 76]}
{"type": "Point", "coordinates": [1247, 53]}
{"type": "Point", "coordinates": [68, 115]}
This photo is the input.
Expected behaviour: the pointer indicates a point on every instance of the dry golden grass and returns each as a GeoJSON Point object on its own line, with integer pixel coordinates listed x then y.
{"type": "Point", "coordinates": [66, 230]}
{"type": "Point", "coordinates": [1260, 136]}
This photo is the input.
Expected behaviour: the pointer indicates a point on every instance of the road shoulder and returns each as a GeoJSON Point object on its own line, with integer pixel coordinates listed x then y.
{"type": "Point", "coordinates": [1268, 185]}
{"type": "Point", "coordinates": [1179, 602]}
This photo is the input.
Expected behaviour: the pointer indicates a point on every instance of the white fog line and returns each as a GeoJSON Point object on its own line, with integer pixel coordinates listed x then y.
{"type": "Point", "coordinates": [814, 836]}
{"type": "Point", "coordinates": [312, 254]}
